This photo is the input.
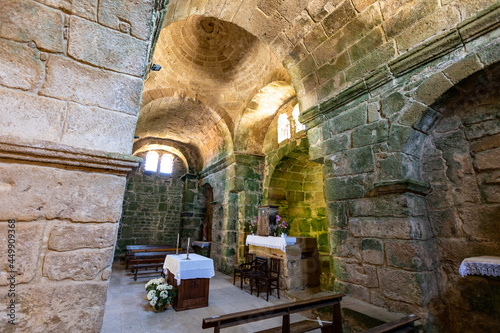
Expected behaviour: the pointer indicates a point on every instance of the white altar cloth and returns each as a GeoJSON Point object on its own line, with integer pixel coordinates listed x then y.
{"type": "Point", "coordinates": [485, 265]}
{"type": "Point", "coordinates": [271, 242]}
{"type": "Point", "coordinates": [197, 267]}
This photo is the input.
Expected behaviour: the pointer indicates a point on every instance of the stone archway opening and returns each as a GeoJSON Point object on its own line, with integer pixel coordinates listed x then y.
{"type": "Point", "coordinates": [461, 162]}
{"type": "Point", "coordinates": [151, 211]}
{"type": "Point", "coordinates": [296, 186]}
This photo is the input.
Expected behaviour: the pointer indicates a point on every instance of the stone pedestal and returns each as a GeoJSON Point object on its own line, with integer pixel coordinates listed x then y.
{"type": "Point", "coordinates": [300, 265]}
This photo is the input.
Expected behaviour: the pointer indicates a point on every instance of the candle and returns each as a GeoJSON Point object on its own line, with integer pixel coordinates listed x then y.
{"type": "Point", "coordinates": [177, 240]}
{"type": "Point", "coordinates": [189, 238]}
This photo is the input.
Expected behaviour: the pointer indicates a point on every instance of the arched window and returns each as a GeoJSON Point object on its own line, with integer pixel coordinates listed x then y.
{"type": "Point", "coordinates": [283, 127]}
{"type": "Point", "coordinates": [167, 163]}
{"type": "Point", "coordinates": [298, 125]}
{"type": "Point", "coordinates": [151, 161]}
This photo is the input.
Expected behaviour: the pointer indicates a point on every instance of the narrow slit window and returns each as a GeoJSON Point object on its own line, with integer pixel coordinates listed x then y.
{"type": "Point", "coordinates": [167, 163]}
{"type": "Point", "coordinates": [151, 161]}
{"type": "Point", "coordinates": [298, 125]}
{"type": "Point", "coordinates": [283, 128]}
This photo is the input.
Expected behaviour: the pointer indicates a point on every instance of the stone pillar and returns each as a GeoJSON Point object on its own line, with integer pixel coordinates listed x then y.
{"type": "Point", "coordinates": [70, 85]}
{"type": "Point", "coordinates": [191, 212]}
{"type": "Point", "coordinates": [237, 182]}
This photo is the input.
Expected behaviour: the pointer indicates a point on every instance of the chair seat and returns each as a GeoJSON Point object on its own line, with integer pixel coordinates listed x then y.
{"type": "Point", "coordinates": [247, 266]}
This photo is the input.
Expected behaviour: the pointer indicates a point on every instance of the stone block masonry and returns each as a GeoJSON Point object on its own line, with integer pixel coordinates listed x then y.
{"type": "Point", "coordinates": [152, 209]}
{"type": "Point", "coordinates": [69, 108]}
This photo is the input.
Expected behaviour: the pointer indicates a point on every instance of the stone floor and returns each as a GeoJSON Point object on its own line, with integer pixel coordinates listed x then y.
{"type": "Point", "coordinates": [127, 311]}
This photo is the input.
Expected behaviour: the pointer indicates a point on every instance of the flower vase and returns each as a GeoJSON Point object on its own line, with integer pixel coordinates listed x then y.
{"type": "Point", "coordinates": [161, 308]}
{"type": "Point", "coordinates": [283, 235]}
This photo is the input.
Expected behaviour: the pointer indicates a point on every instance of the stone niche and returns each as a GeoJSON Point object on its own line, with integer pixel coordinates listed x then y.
{"type": "Point", "coordinates": [301, 268]}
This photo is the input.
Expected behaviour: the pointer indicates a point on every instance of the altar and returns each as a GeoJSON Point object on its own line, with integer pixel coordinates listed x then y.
{"type": "Point", "coordinates": [192, 278]}
{"type": "Point", "coordinates": [300, 268]}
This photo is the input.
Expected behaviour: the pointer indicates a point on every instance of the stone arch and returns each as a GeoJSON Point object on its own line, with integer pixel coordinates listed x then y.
{"type": "Point", "coordinates": [258, 115]}
{"type": "Point", "coordinates": [189, 122]}
{"type": "Point", "coordinates": [164, 148]}
{"type": "Point", "coordinates": [151, 95]}
{"type": "Point", "coordinates": [421, 111]}
{"type": "Point", "coordinates": [190, 153]}
{"type": "Point", "coordinates": [295, 184]}
{"type": "Point", "coordinates": [459, 159]}
{"type": "Point", "coordinates": [213, 61]}
{"type": "Point", "coordinates": [325, 45]}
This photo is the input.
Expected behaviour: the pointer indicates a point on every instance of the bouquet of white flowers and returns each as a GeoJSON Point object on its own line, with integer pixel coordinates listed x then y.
{"type": "Point", "coordinates": [160, 293]}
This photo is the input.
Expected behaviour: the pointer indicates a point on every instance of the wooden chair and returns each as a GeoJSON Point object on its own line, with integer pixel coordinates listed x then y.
{"type": "Point", "coordinates": [258, 268]}
{"type": "Point", "coordinates": [246, 266]}
{"type": "Point", "coordinates": [271, 280]}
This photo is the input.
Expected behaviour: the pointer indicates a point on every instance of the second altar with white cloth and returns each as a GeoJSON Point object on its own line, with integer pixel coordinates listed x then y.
{"type": "Point", "coordinates": [192, 278]}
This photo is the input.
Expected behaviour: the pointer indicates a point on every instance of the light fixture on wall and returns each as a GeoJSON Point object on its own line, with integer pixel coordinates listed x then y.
{"type": "Point", "coordinates": [155, 67]}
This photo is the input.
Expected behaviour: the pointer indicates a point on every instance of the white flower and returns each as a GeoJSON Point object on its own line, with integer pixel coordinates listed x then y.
{"type": "Point", "coordinates": [169, 287]}
{"type": "Point", "coordinates": [151, 295]}
{"type": "Point", "coordinates": [164, 294]}
{"type": "Point", "coordinates": [153, 301]}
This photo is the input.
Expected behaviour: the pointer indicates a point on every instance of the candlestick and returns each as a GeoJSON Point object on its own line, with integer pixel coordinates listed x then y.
{"type": "Point", "coordinates": [187, 251]}
{"type": "Point", "coordinates": [177, 247]}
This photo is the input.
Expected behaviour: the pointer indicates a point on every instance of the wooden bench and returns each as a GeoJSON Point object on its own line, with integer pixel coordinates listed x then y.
{"type": "Point", "coordinates": [403, 325]}
{"type": "Point", "coordinates": [147, 267]}
{"type": "Point", "coordinates": [284, 310]}
{"type": "Point", "coordinates": [131, 249]}
{"type": "Point", "coordinates": [148, 261]}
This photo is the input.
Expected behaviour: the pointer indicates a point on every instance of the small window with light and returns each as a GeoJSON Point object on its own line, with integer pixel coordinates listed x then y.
{"type": "Point", "coordinates": [283, 128]}
{"type": "Point", "coordinates": [161, 164]}
{"type": "Point", "coordinates": [295, 114]}
{"type": "Point", "coordinates": [151, 161]}
{"type": "Point", "coordinates": [167, 164]}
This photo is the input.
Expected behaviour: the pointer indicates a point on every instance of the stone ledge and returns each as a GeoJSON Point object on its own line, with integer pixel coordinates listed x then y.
{"type": "Point", "coordinates": [368, 315]}
{"type": "Point", "coordinates": [402, 186]}
{"type": "Point", "coordinates": [53, 154]}
{"type": "Point", "coordinates": [239, 158]}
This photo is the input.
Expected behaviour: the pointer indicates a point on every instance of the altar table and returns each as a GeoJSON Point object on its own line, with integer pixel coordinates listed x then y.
{"type": "Point", "coordinates": [192, 278]}
{"type": "Point", "coordinates": [270, 242]}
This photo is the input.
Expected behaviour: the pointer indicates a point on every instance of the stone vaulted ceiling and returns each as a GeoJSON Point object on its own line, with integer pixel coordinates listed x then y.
{"type": "Point", "coordinates": [211, 71]}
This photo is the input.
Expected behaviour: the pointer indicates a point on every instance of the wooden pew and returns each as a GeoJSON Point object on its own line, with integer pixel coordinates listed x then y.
{"type": "Point", "coordinates": [284, 310]}
{"type": "Point", "coordinates": [403, 325]}
{"type": "Point", "coordinates": [131, 249]}
{"type": "Point", "coordinates": [148, 261]}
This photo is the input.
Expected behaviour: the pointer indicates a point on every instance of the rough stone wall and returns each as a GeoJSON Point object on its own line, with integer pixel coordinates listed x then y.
{"type": "Point", "coordinates": [193, 209]}
{"type": "Point", "coordinates": [460, 161]}
{"type": "Point", "coordinates": [151, 208]}
{"type": "Point", "coordinates": [381, 231]}
{"type": "Point", "coordinates": [297, 187]}
{"type": "Point", "coordinates": [71, 76]}
{"type": "Point", "coordinates": [237, 188]}
{"type": "Point", "coordinates": [295, 183]}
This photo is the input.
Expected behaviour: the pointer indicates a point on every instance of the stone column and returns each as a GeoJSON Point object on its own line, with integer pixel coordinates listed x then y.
{"type": "Point", "coordinates": [70, 85]}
